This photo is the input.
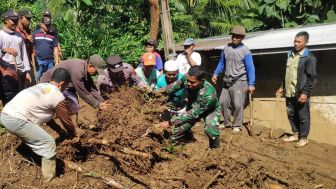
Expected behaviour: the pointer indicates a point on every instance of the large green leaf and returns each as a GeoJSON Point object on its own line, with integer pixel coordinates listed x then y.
{"type": "Point", "coordinates": [331, 16]}
{"type": "Point", "coordinates": [282, 4]}
{"type": "Point", "coordinates": [87, 2]}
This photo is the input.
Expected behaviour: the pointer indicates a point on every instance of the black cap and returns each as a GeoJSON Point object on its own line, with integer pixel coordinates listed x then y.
{"type": "Point", "coordinates": [25, 12]}
{"type": "Point", "coordinates": [115, 63]}
{"type": "Point", "coordinates": [47, 13]}
{"type": "Point", "coordinates": [151, 42]}
{"type": "Point", "coordinates": [11, 14]}
{"type": "Point", "coordinates": [46, 21]}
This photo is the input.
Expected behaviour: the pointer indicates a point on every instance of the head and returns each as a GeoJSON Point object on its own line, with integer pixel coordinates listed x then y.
{"type": "Point", "coordinates": [25, 17]}
{"type": "Point", "coordinates": [195, 77]}
{"type": "Point", "coordinates": [150, 45]}
{"type": "Point", "coordinates": [301, 40]}
{"type": "Point", "coordinates": [237, 35]}
{"type": "Point", "coordinates": [46, 22]}
{"type": "Point", "coordinates": [149, 62]}
{"type": "Point", "coordinates": [115, 66]}
{"type": "Point", "coordinates": [60, 78]}
{"type": "Point", "coordinates": [189, 44]}
{"type": "Point", "coordinates": [171, 71]}
{"type": "Point", "coordinates": [11, 19]}
{"type": "Point", "coordinates": [47, 14]}
{"type": "Point", "coordinates": [94, 63]}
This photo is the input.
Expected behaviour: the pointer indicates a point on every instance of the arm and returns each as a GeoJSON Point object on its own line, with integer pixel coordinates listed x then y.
{"type": "Point", "coordinates": [78, 83]}
{"type": "Point", "coordinates": [191, 61]}
{"type": "Point", "coordinates": [221, 65]}
{"type": "Point", "coordinates": [311, 76]}
{"type": "Point", "coordinates": [63, 114]}
{"type": "Point", "coordinates": [248, 61]}
{"type": "Point", "coordinates": [204, 105]}
{"type": "Point", "coordinates": [177, 85]}
{"type": "Point", "coordinates": [135, 79]}
{"type": "Point", "coordinates": [56, 56]}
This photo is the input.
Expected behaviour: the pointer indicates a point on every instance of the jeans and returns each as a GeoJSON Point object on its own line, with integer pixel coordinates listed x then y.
{"type": "Point", "coordinates": [233, 99]}
{"type": "Point", "coordinates": [43, 66]}
{"type": "Point", "coordinates": [298, 116]}
{"type": "Point", "coordinates": [31, 134]}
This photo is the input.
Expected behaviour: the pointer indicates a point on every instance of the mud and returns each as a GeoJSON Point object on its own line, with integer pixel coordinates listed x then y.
{"type": "Point", "coordinates": [242, 161]}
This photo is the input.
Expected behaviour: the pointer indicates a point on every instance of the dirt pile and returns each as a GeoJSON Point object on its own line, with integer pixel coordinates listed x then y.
{"type": "Point", "coordinates": [114, 148]}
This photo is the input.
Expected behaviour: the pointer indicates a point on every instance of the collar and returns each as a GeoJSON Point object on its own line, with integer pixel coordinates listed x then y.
{"type": "Point", "coordinates": [8, 31]}
{"type": "Point", "coordinates": [303, 53]}
{"type": "Point", "coordinates": [236, 46]}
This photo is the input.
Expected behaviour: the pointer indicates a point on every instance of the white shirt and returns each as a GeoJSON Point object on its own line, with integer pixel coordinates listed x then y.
{"type": "Point", "coordinates": [16, 42]}
{"type": "Point", "coordinates": [182, 61]}
{"type": "Point", "coordinates": [35, 104]}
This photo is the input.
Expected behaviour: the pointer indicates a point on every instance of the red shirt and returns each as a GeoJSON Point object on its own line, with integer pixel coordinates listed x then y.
{"type": "Point", "coordinates": [29, 44]}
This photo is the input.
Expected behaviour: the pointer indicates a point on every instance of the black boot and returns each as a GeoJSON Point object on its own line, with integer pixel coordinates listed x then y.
{"type": "Point", "coordinates": [214, 143]}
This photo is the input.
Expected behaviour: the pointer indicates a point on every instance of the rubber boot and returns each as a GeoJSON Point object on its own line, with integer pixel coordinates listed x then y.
{"type": "Point", "coordinates": [48, 168]}
{"type": "Point", "coordinates": [214, 142]}
{"type": "Point", "coordinates": [74, 119]}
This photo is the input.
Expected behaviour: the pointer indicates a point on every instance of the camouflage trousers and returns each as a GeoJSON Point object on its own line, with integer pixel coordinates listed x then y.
{"type": "Point", "coordinates": [211, 125]}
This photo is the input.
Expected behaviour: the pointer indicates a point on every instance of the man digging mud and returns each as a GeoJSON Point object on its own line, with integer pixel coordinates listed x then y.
{"type": "Point", "coordinates": [35, 106]}
{"type": "Point", "coordinates": [81, 83]}
{"type": "Point", "coordinates": [202, 103]}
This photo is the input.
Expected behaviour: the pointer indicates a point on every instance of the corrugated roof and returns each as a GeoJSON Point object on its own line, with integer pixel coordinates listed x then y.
{"type": "Point", "coordinates": [322, 37]}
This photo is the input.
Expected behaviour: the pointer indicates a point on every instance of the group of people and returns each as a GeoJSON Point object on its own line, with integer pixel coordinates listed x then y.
{"type": "Point", "coordinates": [191, 96]}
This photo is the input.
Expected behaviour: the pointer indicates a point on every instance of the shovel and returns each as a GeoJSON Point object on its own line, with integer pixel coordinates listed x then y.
{"type": "Point", "coordinates": [251, 114]}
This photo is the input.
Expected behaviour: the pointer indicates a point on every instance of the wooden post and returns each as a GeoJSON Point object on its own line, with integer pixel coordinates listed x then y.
{"type": "Point", "coordinates": [167, 31]}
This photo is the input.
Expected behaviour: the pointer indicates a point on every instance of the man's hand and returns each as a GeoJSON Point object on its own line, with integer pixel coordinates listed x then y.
{"type": "Point", "coordinates": [10, 51]}
{"type": "Point", "coordinates": [28, 77]}
{"type": "Point", "coordinates": [75, 137]}
{"type": "Point", "coordinates": [303, 98]}
{"type": "Point", "coordinates": [162, 90]}
{"type": "Point", "coordinates": [103, 105]}
{"type": "Point", "coordinates": [188, 52]}
{"type": "Point", "coordinates": [279, 92]}
{"type": "Point", "coordinates": [251, 89]}
{"type": "Point", "coordinates": [214, 79]}
{"type": "Point", "coordinates": [30, 38]}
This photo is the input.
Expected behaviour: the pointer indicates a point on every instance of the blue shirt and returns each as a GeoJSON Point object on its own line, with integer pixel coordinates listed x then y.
{"type": "Point", "coordinates": [178, 98]}
{"type": "Point", "coordinates": [44, 44]}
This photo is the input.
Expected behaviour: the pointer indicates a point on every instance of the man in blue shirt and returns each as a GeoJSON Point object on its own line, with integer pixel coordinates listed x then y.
{"type": "Point", "coordinates": [239, 76]}
{"type": "Point", "coordinates": [45, 47]}
{"type": "Point", "coordinates": [171, 75]}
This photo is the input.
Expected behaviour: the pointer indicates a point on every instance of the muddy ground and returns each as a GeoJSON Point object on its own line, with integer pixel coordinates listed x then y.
{"type": "Point", "coordinates": [242, 161]}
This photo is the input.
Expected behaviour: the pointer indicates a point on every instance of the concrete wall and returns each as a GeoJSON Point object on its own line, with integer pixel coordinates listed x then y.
{"type": "Point", "coordinates": [270, 70]}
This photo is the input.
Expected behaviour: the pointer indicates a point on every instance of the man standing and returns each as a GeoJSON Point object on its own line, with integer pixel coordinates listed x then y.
{"type": "Point", "coordinates": [202, 103]}
{"type": "Point", "coordinates": [54, 32]}
{"type": "Point", "coordinates": [239, 77]}
{"type": "Point", "coordinates": [81, 82]}
{"type": "Point", "coordinates": [148, 73]}
{"type": "Point", "coordinates": [46, 49]}
{"type": "Point", "coordinates": [299, 82]}
{"type": "Point", "coordinates": [14, 62]}
{"type": "Point", "coordinates": [171, 75]}
{"type": "Point", "coordinates": [188, 58]}
{"type": "Point", "coordinates": [117, 74]}
{"type": "Point", "coordinates": [24, 30]}
{"type": "Point", "coordinates": [34, 106]}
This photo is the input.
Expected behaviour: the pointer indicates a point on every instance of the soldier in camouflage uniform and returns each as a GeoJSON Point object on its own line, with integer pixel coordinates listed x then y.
{"type": "Point", "coordinates": [202, 103]}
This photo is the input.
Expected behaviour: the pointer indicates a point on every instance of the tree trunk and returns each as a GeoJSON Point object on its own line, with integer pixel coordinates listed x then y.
{"type": "Point", "coordinates": [155, 18]}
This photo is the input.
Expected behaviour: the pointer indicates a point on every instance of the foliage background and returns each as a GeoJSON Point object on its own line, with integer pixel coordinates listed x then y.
{"type": "Point", "coordinates": [122, 26]}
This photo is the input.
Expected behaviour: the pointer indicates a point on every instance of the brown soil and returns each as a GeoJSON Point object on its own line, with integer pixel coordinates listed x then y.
{"type": "Point", "coordinates": [242, 161]}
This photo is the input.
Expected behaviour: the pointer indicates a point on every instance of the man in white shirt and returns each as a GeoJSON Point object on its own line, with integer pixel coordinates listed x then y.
{"type": "Point", "coordinates": [188, 58]}
{"type": "Point", "coordinates": [35, 106]}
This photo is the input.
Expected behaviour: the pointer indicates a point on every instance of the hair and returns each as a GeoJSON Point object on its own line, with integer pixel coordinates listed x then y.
{"type": "Point", "coordinates": [197, 72]}
{"type": "Point", "coordinates": [303, 34]}
{"type": "Point", "coordinates": [60, 74]}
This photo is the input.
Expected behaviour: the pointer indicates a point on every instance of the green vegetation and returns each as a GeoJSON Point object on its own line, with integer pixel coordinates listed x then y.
{"type": "Point", "coordinates": [121, 26]}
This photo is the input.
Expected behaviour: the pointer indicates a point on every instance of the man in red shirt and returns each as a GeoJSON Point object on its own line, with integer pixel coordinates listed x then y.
{"type": "Point", "coordinates": [24, 29]}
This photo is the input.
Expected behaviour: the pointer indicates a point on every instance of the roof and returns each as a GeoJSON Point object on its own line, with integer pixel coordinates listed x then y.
{"type": "Point", "coordinates": [322, 37]}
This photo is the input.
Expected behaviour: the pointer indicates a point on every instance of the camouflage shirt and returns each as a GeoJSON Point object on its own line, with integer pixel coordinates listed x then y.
{"type": "Point", "coordinates": [200, 102]}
